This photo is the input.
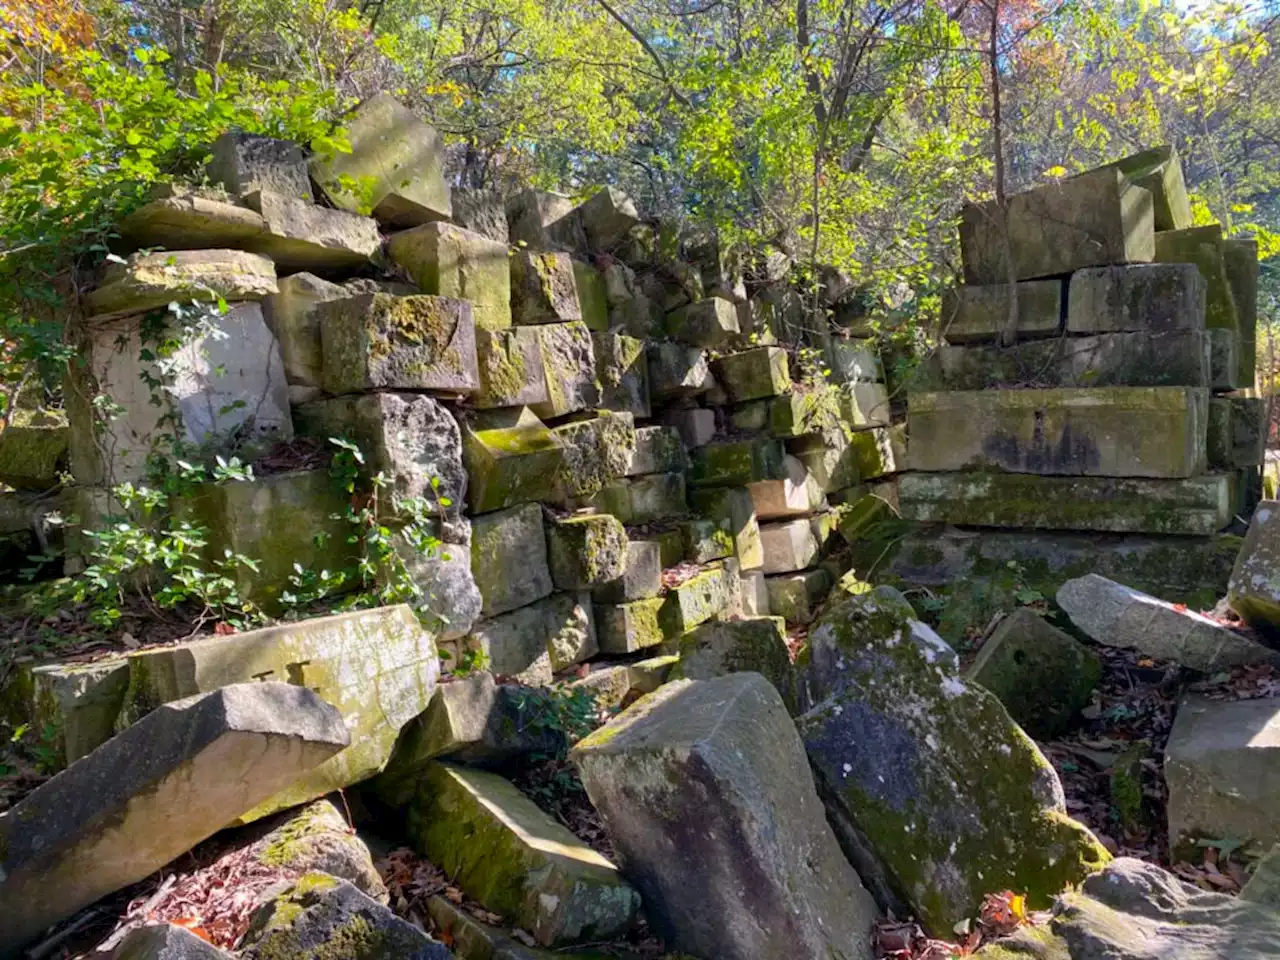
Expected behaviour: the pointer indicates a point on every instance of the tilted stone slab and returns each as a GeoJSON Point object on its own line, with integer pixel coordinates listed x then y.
{"type": "Point", "coordinates": [153, 792]}
{"type": "Point", "coordinates": [378, 667]}
{"type": "Point", "coordinates": [753, 374]}
{"type": "Point", "coordinates": [973, 314]}
{"type": "Point", "coordinates": [511, 368]}
{"type": "Point", "coordinates": [622, 368]}
{"type": "Point", "coordinates": [185, 218]}
{"type": "Point", "coordinates": [1090, 220]}
{"type": "Point", "coordinates": [894, 737]}
{"type": "Point", "coordinates": [1254, 589]}
{"type": "Point", "coordinates": [1237, 432]}
{"type": "Point", "coordinates": [302, 236]}
{"type": "Point", "coordinates": [677, 370]}
{"type": "Point", "coordinates": [376, 341]}
{"type": "Point", "coordinates": [1196, 505]}
{"type": "Point", "coordinates": [1159, 170]}
{"type": "Point", "coordinates": [1109, 432]}
{"type": "Point", "coordinates": [245, 163]}
{"type": "Point", "coordinates": [396, 165]}
{"type": "Point", "coordinates": [1221, 763]}
{"type": "Point", "coordinates": [705, 792]}
{"type": "Point", "coordinates": [1118, 616]}
{"type": "Point", "coordinates": [1151, 297]}
{"type": "Point", "coordinates": [514, 859]}
{"type": "Point", "coordinates": [509, 558]}
{"type": "Point", "coordinates": [447, 261]}
{"type": "Point", "coordinates": [147, 281]}
{"type": "Point", "coordinates": [1138, 359]}
{"type": "Point", "coordinates": [755, 644]}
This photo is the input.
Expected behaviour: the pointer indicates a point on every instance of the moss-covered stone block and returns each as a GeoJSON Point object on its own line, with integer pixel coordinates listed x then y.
{"type": "Point", "coordinates": [973, 314]}
{"type": "Point", "coordinates": [706, 539]}
{"type": "Point", "coordinates": [531, 643]}
{"type": "Point", "coordinates": [146, 281]}
{"type": "Point", "coordinates": [593, 296]}
{"type": "Point", "coordinates": [586, 551]}
{"type": "Point", "coordinates": [1159, 171]}
{"type": "Point", "coordinates": [658, 450]}
{"type": "Point", "coordinates": [180, 217]}
{"type": "Point", "coordinates": [622, 368]}
{"type": "Point", "coordinates": [736, 463]}
{"type": "Point", "coordinates": [796, 597]}
{"type": "Point", "coordinates": [705, 323]}
{"type": "Point", "coordinates": [734, 507]}
{"type": "Point", "coordinates": [377, 341]}
{"type": "Point", "coordinates": [448, 261]}
{"type": "Point", "coordinates": [787, 546]}
{"type": "Point", "coordinates": [931, 829]}
{"type": "Point", "coordinates": [696, 600]}
{"type": "Point", "coordinates": [753, 374]}
{"type": "Point", "coordinates": [544, 288]}
{"type": "Point", "coordinates": [510, 464]}
{"type": "Point", "coordinates": [597, 450]}
{"type": "Point", "coordinates": [797, 493]}
{"type": "Point", "coordinates": [511, 368]}
{"type": "Point", "coordinates": [509, 558]}
{"type": "Point", "coordinates": [568, 362]}
{"type": "Point", "coordinates": [628, 627]}
{"type": "Point", "coordinates": [1157, 298]}
{"type": "Point", "coordinates": [875, 453]}
{"type": "Point", "coordinates": [1204, 247]}
{"type": "Point", "coordinates": [677, 370]}
{"type": "Point", "coordinates": [1240, 258]}
{"type": "Point", "coordinates": [757, 644]}
{"type": "Point", "coordinates": [641, 577]}
{"type": "Point", "coordinates": [1236, 432]}
{"type": "Point", "coordinates": [643, 499]}
{"type": "Point", "coordinates": [33, 450]}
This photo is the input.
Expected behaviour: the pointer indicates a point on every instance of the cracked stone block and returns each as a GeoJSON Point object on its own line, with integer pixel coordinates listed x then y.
{"type": "Point", "coordinates": [245, 163]}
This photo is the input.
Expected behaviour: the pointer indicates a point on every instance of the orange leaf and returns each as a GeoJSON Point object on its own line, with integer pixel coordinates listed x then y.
{"type": "Point", "coordinates": [192, 924]}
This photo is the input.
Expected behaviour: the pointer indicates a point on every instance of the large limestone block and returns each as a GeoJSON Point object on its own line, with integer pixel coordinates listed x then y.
{"type": "Point", "coordinates": [755, 644]}
{"type": "Point", "coordinates": [245, 163]}
{"type": "Point", "coordinates": [705, 323]}
{"type": "Point", "coordinates": [322, 916]}
{"type": "Point", "coordinates": [33, 449]}
{"type": "Point", "coordinates": [449, 261]}
{"type": "Point", "coordinates": [1109, 432]}
{"type": "Point", "coordinates": [481, 211]}
{"type": "Point", "coordinates": [377, 667]}
{"type": "Point", "coordinates": [1135, 910]}
{"type": "Point", "coordinates": [1197, 505]}
{"type": "Point", "coordinates": [644, 499]}
{"type": "Point", "coordinates": [641, 576]}
{"type": "Point", "coordinates": [705, 792]}
{"type": "Point", "coordinates": [1237, 432]}
{"type": "Point", "coordinates": [511, 369]}
{"type": "Point", "coordinates": [658, 450]}
{"type": "Point", "coordinates": [736, 463]}
{"type": "Point", "coordinates": [586, 551]}
{"type": "Point", "coordinates": [698, 599]}
{"type": "Point", "coordinates": [753, 374]}
{"type": "Point", "coordinates": [544, 288]}
{"type": "Point", "coordinates": [376, 341]}
{"type": "Point", "coordinates": [569, 368]}
{"type": "Point", "coordinates": [696, 425]}
{"type": "Point", "coordinates": [597, 450]}
{"type": "Point", "coordinates": [1096, 218]}
{"type": "Point", "coordinates": [509, 558]}
{"type": "Point", "coordinates": [787, 546]}
{"type": "Point", "coordinates": [1118, 616]}
{"type": "Point", "coordinates": [1254, 589]}
{"type": "Point", "coordinates": [151, 793]}
{"type": "Point", "coordinates": [1177, 358]}
{"type": "Point", "coordinates": [733, 508]}
{"type": "Point", "coordinates": [183, 218]}
{"type": "Point", "coordinates": [1203, 247]}
{"type": "Point", "coordinates": [593, 296]}
{"type": "Point", "coordinates": [226, 380]}
{"type": "Point", "coordinates": [544, 221]}
{"type": "Point", "coordinates": [166, 941]}
{"type": "Point", "coordinates": [1151, 297]}
{"type": "Point", "coordinates": [796, 494]}
{"type": "Point", "coordinates": [607, 218]}
{"type": "Point", "coordinates": [677, 370]}
{"type": "Point", "coordinates": [146, 281]}
{"type": "Point", "coordinates": [409, 437]}
{"type": "Point", "coordinates": [515, 860]}
{"type": "Point", "coordinates": [534, 642]}
{"type": "Point", "coordinates": [972, 314]}
{"type": "Point", "coordinates": [1159, 170]}
{"type": "Point", "coordinates": [302, 236]}
{"type": "Point", "coordinates": [935, 793]}
{"type": "Point", "coordinates": [444, 591]}
{"type": "Point", "coordinates": [395, 167]}
{"type": "Point", "coordinates": [629, 627]}
{"type": "Point", "coordinates": [1240, 258]}
{"type": "Point", "coordinates": [1044, 677]}
{"type": "Point", "coordinates": [291, 315]}
{"type": "Point", "coordinates": [622, 368]}
{"type": "Point", "coordinates": [1222, 768]}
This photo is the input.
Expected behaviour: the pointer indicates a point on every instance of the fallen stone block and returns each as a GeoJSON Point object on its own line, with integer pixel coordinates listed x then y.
{"type": "Point", "coordinates": [318, 837]}
{"type": "Point", "coordinates": [1220, 765]}
{"type": "Point", "coordinates": [534, 642]}
{"type": "Point", "coordinates": [658, 450]}
{"type": "Point", "coordinates": [299, 235]}
{"type": "Point", "coordinates": [706, 323]}
{"type": "Point", "coordinates": [321, 916]}
{"type": "Point", "coordinates": [568, 362]}
{"type": "Point", "coordinates": [1117, 616]}
{"type": "Point", "coordinates": [1159, 171]}
{"type": "Point", "coordinates": [509, 558]}
{"type": "Point", "coordinates": [245, 163]}
{"type": "Point", "coordinates": [736, 463]}
{"type": "Point", "coordinates": [1147, 297]}
{"type": "Point", "coordinates": [1236, 435]}
{"type": "Point", "coordinates": [1254, 588]}
{"type": "Point", "coordinates": [697, 600]}
{"type": "Point", "coordinates": [1240, 258]}
{"type": "Point", "coordinates": [706, 539]}
{"type": "Point", "coordinates": [544, 288]}
{"type": "Point", "coordinates": [511, 369]}
{"type": "Point", "coordinates": [641, 576]}
{"type": "Point", "coordinates": [607, 218]}
{"type": "Point", "coordinates": [754, 374]}
{"type": "Point", "coordinates": [797, 597]}
{"type": "Point", "coordinates": [1093, 219]}
{"type": "Point", "coordinates": [1111, 432]}
{"type": "Point", "coordinates": [865, 405]}
{"type": "Point", "coordinates": [676, 370]}
{"type": "Point", "coordinates": [679, 803]}
{"type": "Point", "coordinates": [448, 261]}
{"type": "Point", "coordinates": [1044, 677]}
{"type": "Point", "coordinates": [1203, 247]}
{"type": "Point", "coordinates": [586, 551]}
{"type": "Point", "coordinates": [622, 369]}
{"type": "Point", "coordinates": [973, 314]}
{"type": "Point", "coordinates": [193, 766]}
{"type": "Point", "coordinates": [797, 494]}
{"type": "Point", "coordinates": [147, 281]}
{"type": "Point", "coordinates": [597, 450]}
{"type": "Point", "coordinates": [510, 464]}
{"type": "Point", "coordinates": [1196, 505]}
{"type": "Point", "coordinates": [187, 218]}
{"type": "Point", "coordinates": [628, 627]}
{"type": "Point", "coordinates": [788, 547]}
{"type": "Point", "coordinates": [376, 341]}
{"type": "Point", "coordinates": [410, 438]}
{"type": "Point", "coordinates": [395, 167]}
{"type": "Point", "coordinates": [696, 425]}
{"type": "Point", "coordinates": [911, 820]}
{"type": "Point", "coordinates": [166, 941]}
{"type": "Point", "coordinates": [528, 868]}
{"type": "Point", "coordinates": [755, 644]}
{"type": "Point", "coordinates": [734, 507]}
{"type": "Point", "coordinates": [643, 499]}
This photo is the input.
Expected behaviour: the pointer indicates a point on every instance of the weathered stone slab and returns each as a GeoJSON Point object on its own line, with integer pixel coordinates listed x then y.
{"type": "Point", "coordinates": [185, 218]}
{"type": "Point", "coordinates": [641, 576]}
{"type": "Point", "coordinates": [1137, 359]}
{"type": "Point", "coordinates": [319, 837]}
{"type": "Point", "coordinates": [736, 463]}
{"type": "Point", "coordinates": [411, 438]}
{"type": "Point", "coordinates": [892, 732]}
{"type": "Point", "coordinates": [677, 370]}
{"type": "Point", "coordinates": [593, 296]}
{"type": "Point", "coordinates": [33, 449]}
{"type": "Point", "coordinates": [706, 539]}
{"type": "Point", "coordinates": [509, 558]}
{"type": "Point", "coordinates": [1221, 764]}
{"type": "Point", "coordinates": [864, 404]}
{"type": "Point", "coordinates": [299, 235]}
{"type": "Point", "coordinates": [448, 261]}
{"type": "Point", "coordinates": [622, 368]}
{"type": "Point", "coordinates": [1224, 358]}
{"type": "Point", "coordinates": [755, 594]}
{"type": "Point", "coordinates": [597, 450]}
{"type": "Point", "coordinates": [697, 600]}
{"type": "Point", "coordinates": [734, 508]}
{"type": "Point", "coordinates": [1203, 247]}
{"type": "Point", "coordinates": [1118, 616]}
{"type": "Point", "coordinates": [245, 163]}
{"type": "Point", "coordinates": [544, 288]}
{"type": "Point", "coordinates": [395, 167]}
{"type": "Point", "coordinates": [147, 281]}
{"type": "Point", "coordinates": [481, 211]}
{"type": "Point", "coordinates": [637, 500]}
{"type": "Point", "coordinates": [586, 551]}
{"type": "Point", "coordinates": [544, 221]}
{"type": "Point", "coordinates": [854, 361]}
{"type": "Point", "coordinates": [321, 915]}
{"type": "Point", "coordinates": [1114, 431]}
{"type": "Point", "coordinates": [1150, 297]}
{"type": "Point", "coordinates": [658, 450]}
{"type": "Point", "coordinates": [787, 547]}
{"type": "Point", "coordinates": [1254, 589]}
{"type": "Point", "coordinates": [290, 314]}
{"type": "Point", "coordinates": [1240, 259]}
{"type": "Point", "coordinates": [568, 362]}
{"type": "Point", "coordinates": [696, 425]}
{"type": "Point", "coordinates": [1094, 219]}
{"type": "Point", "coordinates": [705, 792]}
{"type": "Point", "coordinates": [511, 368]}
{"type": "Point", "coordinates": [706, 323]}
{"type": "Point", "coordinates": [1197, 505]}
{"type": "Point", "coordinates": [528, 868]}
{"type": "Point", "coordinates": [972, 314]}
{"type": "Point", "coordinates": [607, 218]}
{"type": "Point", "coordinates": [628, 627]}
{"type": "Point", "coordinates": [796, 494]}
{"type": "Point", "coordinates": [1236, 434]}
{"type": "Point", "coordinates": [1159, 171]}
{"type": "Point", "coordinates": [533, 642]}
{"type": "Point", "coordinates": [1044, 677]}
{"type": "Point", "coordinates": [754, 374]}
{"type": "Point", "coordinates": [377, 341]}
{"type": "Point", "coordinates": [193, 766]}
{"type": "Point", "coordinates": [796, 597]}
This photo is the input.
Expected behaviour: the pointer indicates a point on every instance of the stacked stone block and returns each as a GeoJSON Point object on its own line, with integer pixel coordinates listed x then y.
{"type": "Point", "coordinates": [1093, 361]}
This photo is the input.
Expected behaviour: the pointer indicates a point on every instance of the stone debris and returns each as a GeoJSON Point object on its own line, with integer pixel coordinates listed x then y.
{"type": "Point", "coordinates": [166, 942]}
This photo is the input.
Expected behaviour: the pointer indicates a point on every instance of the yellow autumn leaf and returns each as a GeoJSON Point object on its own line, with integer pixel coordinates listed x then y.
{"type": "Point", "coordinates": [1056, 171]}
{"type": "Point", "coordinates": [1018, 907]}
